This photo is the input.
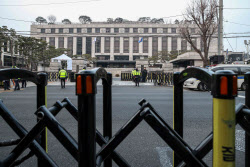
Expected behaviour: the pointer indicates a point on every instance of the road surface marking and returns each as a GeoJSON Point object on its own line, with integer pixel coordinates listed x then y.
{"type": "Point", "coordinates": [166, 160]}
{"type": "Point", "coordinates": [163, 154]}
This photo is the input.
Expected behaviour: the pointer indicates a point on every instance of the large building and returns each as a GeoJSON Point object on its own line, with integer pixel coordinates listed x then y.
{"type": "Point", "coordinates": [116, 45]}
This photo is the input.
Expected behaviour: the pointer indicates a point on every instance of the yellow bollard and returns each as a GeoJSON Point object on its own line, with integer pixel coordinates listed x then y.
{"type": "Point", "coordinates": [224, 91]}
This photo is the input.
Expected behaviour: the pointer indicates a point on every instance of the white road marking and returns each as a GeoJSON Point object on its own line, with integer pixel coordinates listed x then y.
{"type": "Point", "coordinates": [240, 140]}
{"type": "Point", "coordinates": [241, 96]}
{"type": "Point", "coordinates": [164, 159]}
{"type": "Point", "coordinates": [164, 151]}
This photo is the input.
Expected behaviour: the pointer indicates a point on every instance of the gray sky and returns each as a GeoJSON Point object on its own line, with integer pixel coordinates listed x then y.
{"type": "Point", "coordinates": [100, 10]}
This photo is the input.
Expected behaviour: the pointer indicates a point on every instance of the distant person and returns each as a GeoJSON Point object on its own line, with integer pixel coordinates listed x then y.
{"type": "Point", "coordinates": [63, 75]}
{"type": "Point", "coordinates": [137, 75]}
{"type": "Point", "coordinates": [133, 74]}
{"type": "Point", "coordinates": [84, 68]}
{"type": "Point", "coordinates": [6, 84]}
{"type": "Point", "coordinates": [144, 74]}
{"type": "Point", "coordinates": [17, 80]}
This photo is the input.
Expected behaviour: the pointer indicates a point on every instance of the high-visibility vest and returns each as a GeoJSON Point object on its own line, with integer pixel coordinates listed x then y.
{"type": "Point", "coordinates": [137, 73]}
{"type": "Point", "coordinates": [133, 72]}
{"type": "Point", "coordinates": [83, 69]}
{"type": "Point", "coordinates": [62, 73]}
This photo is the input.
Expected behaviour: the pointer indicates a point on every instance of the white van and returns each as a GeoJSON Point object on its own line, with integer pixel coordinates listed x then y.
{"type": "Point", "coordinates": [240, 70]}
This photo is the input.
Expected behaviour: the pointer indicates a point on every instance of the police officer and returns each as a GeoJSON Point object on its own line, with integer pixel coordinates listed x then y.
{"type": "Point", "coordinates": [63, 75]}
{"type": "Point", "coordinates": [137, 75]}
{"type": "Point", "coordinates": [17, 86]}
{"type": "Point", "coordinates": [84, 68]}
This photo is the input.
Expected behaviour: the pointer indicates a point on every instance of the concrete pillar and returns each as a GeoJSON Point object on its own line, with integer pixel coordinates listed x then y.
{"type": "Point", "coordinates": [93, 47]}
{"type": "Point", "coordinates": [140, 46]}
{"type": "Point", "coordinates": [56, 42]}
{"type": "Point", "coordinates": [47, 40]}
{"type": "Point", "coordinates": [179, 43]}
{"type": "Point", "coordinates": [169, 44]}
{"type": "Point", "coordinates": [112, 48]}
{"type": "Point", "coordinates": [159, 44]}
{"type": "Point", "coordinates": [83, 45]}
{"type": "Point", "coordinates": [74, 45]}
{"type": "Point", "coordinates": [66, 42]}
{"type": "Point", "coordinates": [121, 44]}
{"type": "Point", "coordinates": [130, 48]}
{"type": "Point", "coordinates": [150, 46]}
{"type": "Point", "coordinates": [102, 45]}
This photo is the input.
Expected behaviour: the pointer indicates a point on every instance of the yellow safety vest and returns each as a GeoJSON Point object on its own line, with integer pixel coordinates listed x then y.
{"type": "Point", "coordinates": [137, 73]}
{"type": "Point", "coordinates": [62, 73]}
{"type": "Point", "coordinates": [133, 72]}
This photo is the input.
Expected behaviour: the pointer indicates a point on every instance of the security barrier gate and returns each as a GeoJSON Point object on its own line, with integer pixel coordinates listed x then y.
{"type": "Point", "coordinates": [226, 116]}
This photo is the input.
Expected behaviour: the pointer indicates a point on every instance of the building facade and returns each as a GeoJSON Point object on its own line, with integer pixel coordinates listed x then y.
{"type": "Point", "coordinates": [117, 45]}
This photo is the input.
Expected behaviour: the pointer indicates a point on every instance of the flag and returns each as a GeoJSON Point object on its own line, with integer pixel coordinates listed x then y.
{"type": "Point", "coordinates": [141, 40]}
{"type": "Point", "coordinates": [94, 39]}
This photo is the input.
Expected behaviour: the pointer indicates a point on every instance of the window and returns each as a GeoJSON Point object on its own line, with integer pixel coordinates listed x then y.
{"type": "Point", "coordinates": [145, 45]}
{"type": "Point", "coordinates": [60, 30]}
{"type": "Point", "coordinates": [174, 44]}
{"type": "Point", "coordinates": [52, 41]}
{"type": "Point", "coordinates": [42, 30]}
{"type": "Point", "coordinates": [154, 30]}
{"type": "Point", "coordinates": [155, 46]}
{"type": "Point", "coordinates": [126, 30]}
{"type": "Point", "coordinates": [173, 30]}
{"type": "Point", "coordinates": [145, 30]}
{"type": "Point", "coordinates": [183, 45]}
{"type": "Point", "coordinates": [102, 57]}
{"type": "Point", "coordinates": [107, 30]}
{"type": "Point", "coordinates": [79, 30]}
{"type": "Point", "coordinates": [234, 69]}
{"type": "Point", "coordinates": [98, 45]}
{"type": "Point", "coordinates": [116, 30]}
{"type": "Point", "coordinates": [88, 45]}
{"type": "Point", "coordinates": [70, 45]}
{"type": "Point", "coordinates": [107, 45]}
{"type": "Point", "coordinates": [135, 30]}
{"type": "Point", "coordinates": [89, 30]}
{"type": "Point", "coordinates": [135, 45]}
{"type": "Point", "coordinates": [71, 30]}
{"type": "Point", "coordinates": [194, 42]}
{"type": "Point", "coordinates": [164, 43]}
{"type": "Point", "coordinates": [165, 30]}
{"type": "Point", "coordinates": [79, 46]}
{"type": "Point", "coordinates": [192, 30]}
{"type": "Point", "coordinates": [53, 31]}
{"type": "Point", "coordinates": [121, 57]}
{"type": "Point", "coordinates": [61, 42]}
{"type": "Point", "coordinates": [117, 45]}
{"type": "Point", "coordinates": [125, 45]}
{"type": "Point", "coordinates": [43, 38]}
{"type": "Point", "coordinates": [97, 30]}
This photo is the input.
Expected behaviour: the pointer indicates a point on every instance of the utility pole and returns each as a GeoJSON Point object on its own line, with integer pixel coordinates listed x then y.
{"type": "Point", "coordinates": [247, 46]}
{"type": "Point", "coordinates": [220, 28]}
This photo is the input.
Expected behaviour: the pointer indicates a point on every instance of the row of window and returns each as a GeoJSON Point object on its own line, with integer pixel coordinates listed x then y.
{"type": "Point", "coordinates": [108, 30]}
{"type": "Point", "coordinates": [117, 44]}
{"type": "Point", "coordinates": [118, 57]}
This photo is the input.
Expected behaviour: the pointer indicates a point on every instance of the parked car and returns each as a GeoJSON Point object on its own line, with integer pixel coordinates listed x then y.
{"type": "Point", "coordinates": [239, 69]}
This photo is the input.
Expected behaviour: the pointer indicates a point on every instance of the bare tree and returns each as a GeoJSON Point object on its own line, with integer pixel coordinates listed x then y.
{"type": "Point", "coordinates": [52, 19]}
{"type": "Point", "coordinates": [204, 15]}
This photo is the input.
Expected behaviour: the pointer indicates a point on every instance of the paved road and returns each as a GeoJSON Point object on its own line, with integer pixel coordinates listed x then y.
{"type": "Point", "coordinates": [142, 147]}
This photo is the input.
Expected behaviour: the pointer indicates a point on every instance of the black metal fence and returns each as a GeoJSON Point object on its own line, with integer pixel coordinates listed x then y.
{"type": "Point", "coordinates": [224, 91]}
{"type": "Point", "coordinates": [159, 78]}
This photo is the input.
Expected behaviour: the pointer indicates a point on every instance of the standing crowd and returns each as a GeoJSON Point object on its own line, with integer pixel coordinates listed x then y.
{"type": "Point", "coordinates": [15, 82]}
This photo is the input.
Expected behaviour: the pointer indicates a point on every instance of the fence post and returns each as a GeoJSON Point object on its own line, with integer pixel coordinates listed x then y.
{"type": "Point", "coordinates": [86, 91]}
{"type": "Point", "coordinates": [107, 113]}
{"type": "Point", "coordinates": [224, 91]}
{"type": "Point", "coordinates": [42, 100]}
{"type": "Point", "coordinates": [177, 111]}
{"type": "Point", "coordinates": [247, 103]}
